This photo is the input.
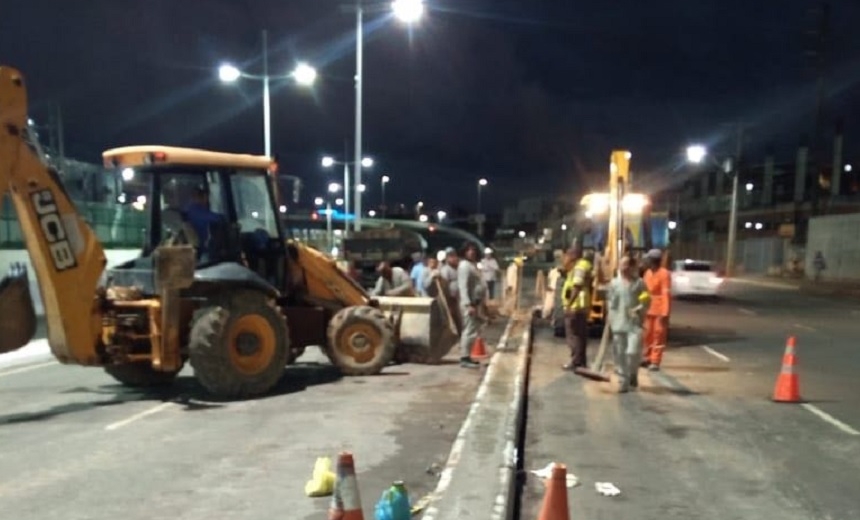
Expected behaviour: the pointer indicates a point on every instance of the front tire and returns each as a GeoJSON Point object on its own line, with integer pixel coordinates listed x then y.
{"type": "Point", "coordinates": [140, 375]}
{"type": "Point", "coordinates": [360, 341]}
{"type": "Point", "coordinates": [239, 348]}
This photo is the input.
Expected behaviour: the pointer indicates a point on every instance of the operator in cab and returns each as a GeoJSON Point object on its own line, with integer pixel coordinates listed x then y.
{"type": "Point", "coordinates": [201, 218]}
{"type": "Point", "coordinates": [393, 281]}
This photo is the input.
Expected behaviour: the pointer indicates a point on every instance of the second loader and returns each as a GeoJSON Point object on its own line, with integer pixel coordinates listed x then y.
{"type": "Point", "coordinates": [217, 285]}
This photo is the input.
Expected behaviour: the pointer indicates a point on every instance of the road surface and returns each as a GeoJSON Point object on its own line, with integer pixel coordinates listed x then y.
{"type": "Point", "coordinates": [75, 445]}
{"type": "Point", "coordinates": [701, 439]}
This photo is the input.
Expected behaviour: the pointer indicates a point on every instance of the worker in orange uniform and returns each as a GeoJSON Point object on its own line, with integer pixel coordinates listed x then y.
{"type": "Point", "coordinates": [659, 283]}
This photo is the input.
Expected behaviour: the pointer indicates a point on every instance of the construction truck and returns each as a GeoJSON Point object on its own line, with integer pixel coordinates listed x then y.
{"type": "Point", "coordinates": [613, 224]}
{"type": "Point", "coordinates": [217, 286]}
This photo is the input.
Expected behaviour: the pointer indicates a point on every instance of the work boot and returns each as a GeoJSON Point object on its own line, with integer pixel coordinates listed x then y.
{"type": "Point", "coordinates": [468, 362]}
{"type": "Point", "coordinates": [654, 367]}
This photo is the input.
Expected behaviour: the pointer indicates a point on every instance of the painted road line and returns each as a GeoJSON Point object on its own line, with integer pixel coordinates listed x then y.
{"type": "Point", "coordinates": [746, 311]}
{"type": "Point", "coordinates": [141, 415]}
{"type": "Point", "coordinates": [826, 417]}
{"type": "Point", "coordinates": [716, 354]}
{"type": "Point", "coordinates": [26, 368]}
{"type": "Point", "coordinates": [805, 327]}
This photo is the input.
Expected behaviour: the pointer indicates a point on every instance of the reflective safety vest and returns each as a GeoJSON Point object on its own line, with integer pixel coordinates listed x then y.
{"type": "Point", "coordinates": [579, 276]}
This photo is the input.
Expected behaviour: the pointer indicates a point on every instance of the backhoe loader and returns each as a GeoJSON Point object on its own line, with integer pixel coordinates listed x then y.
{"type": "Point", "coordinates": [217, 285]}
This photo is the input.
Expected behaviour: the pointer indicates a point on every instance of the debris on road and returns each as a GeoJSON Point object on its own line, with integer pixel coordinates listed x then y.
{"type": "Point", "coordinates": [545, 473]}
{"type": "Point", "coordinates": [607, 489]}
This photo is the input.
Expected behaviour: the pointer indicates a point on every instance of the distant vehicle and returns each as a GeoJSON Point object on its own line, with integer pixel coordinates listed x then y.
{"type": "Point", "coordinates": [695, 278]}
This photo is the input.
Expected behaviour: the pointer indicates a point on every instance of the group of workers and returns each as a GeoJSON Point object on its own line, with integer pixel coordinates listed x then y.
{"type": "Point", "coordinates": [638, 308]}
{"type": "Point", "coordinates": [467, 284]}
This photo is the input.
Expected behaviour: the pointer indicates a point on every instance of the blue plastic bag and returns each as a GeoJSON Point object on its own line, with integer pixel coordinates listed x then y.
{"type": "Point", "coordinates": [394, 504]}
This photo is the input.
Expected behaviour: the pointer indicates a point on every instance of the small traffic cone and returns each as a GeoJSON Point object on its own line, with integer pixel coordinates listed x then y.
{"type": "Point", "coordinates": [787, 388]}
{"type": "Point", "coordinates": [478, 349]}
{"type": "Point", "coordinates": [555, 499]}
{"type": "Point", "coordinates": [345, 502]}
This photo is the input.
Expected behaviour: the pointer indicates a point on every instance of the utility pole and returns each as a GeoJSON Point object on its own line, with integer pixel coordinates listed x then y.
{"type": "Point", "coordinates": [734, 169]}
{"type": "Point", "coordinates": [817, 52]}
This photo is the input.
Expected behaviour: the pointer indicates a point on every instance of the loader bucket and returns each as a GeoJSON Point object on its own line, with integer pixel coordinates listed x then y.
{"type": "Point", "coordinates": [17, 315]}
{"type": "Point", "coordinates": [426, 332]}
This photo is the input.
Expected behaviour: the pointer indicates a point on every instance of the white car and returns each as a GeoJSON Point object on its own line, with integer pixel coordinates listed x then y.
{"type": "Point", "coordinates": [695, 278]}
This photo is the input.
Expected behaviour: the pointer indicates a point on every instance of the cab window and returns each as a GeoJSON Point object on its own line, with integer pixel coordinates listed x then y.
{"type": "Point", "coordinates": [254, 210]}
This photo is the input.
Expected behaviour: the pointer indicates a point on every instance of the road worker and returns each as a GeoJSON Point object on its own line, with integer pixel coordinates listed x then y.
{"type": "Point", "coordinates": [393, 281]}
{"type": "Point", "coordinates": [576, 303]}
{"type": "Point", "coordinates": [473, 295]}
{"type": "Point", "coordinates": [628, 301]}
{"type": "Point", "coordinates": [659, 283]}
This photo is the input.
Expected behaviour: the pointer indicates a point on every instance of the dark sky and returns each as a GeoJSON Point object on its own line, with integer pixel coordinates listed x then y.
{"type": "Point", "coordinates": [532, 94]}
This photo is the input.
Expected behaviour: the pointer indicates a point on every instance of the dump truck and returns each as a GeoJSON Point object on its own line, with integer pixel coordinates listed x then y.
{"type": "Point", "coordinates": [216, 285]}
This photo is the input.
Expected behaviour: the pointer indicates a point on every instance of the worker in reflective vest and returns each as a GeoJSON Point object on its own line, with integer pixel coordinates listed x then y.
{"type": "Point", "coordinates": [576, 302]}
{"type": "Point", "coordinates": [659, 283]}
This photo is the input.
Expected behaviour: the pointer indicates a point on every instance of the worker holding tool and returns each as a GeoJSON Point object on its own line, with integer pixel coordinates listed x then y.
{"type": "Point", "coordinates": [576, 301]}
{"type": "Point", "coordinates": [393, 281]}
{"type": "Point", "coordinates": [628, 303]}
{"type": "Point", "coordinates": [659, 283]}
{"type": "Point", "coordinates": [473, 294]}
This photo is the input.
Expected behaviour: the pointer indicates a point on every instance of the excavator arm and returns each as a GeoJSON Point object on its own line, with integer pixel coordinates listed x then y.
{"type": "Point", "coordinates": [64, 251]}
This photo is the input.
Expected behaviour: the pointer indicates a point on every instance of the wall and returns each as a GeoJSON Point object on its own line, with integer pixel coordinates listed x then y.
{"type": "Point", "coordinates": [8, 256]}
{"type": "Point", "coordinates": [763, 255]}
{"type": "Point", "coordinates": [838, 239]}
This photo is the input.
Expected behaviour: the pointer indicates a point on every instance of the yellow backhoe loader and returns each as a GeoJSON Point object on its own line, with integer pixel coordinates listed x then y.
{"type": "Point", "coordinates": [217, 284]}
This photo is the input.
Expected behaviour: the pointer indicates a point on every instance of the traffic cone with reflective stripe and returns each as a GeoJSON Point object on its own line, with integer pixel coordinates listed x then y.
{"type": "Point", "coordinates": [345, 502]}
{"type": "Point", "coordinates": [787, 388]}
{"type": "Point", "coordinates": [479, 351]}
{"type": "Point", "coordinates": [555, 499]}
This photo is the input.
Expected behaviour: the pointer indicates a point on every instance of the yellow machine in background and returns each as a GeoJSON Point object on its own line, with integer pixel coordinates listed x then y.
{"type": "Point", "coordinates": [614, 223]}
{"type": "Point", "coordinates": [239, 303]}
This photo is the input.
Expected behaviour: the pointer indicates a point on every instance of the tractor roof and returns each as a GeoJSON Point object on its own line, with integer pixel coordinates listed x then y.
{"type": "Point", "coordinates": [131, 156]}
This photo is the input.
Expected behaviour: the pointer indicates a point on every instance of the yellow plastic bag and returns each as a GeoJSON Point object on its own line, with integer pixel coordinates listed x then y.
{"type": "Point", "coordinates": [322, 482]}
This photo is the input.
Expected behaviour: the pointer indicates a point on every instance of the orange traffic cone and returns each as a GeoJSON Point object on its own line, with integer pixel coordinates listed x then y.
{"type": "Point", "coordinates": [478, 349]}
{"type": "Point", "coordinates": [787, 388]}
{"type": "Point", "coordinates": [345, 502]}
{"type": "Point", "coordinates": [555, 499]}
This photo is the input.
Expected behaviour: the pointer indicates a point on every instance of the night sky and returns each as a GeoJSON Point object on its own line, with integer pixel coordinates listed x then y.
{"type": "Point", "coordinates": [531, 94]}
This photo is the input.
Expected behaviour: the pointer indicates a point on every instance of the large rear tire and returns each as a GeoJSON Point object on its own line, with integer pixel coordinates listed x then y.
{"type": "Point", "coordinates": [140, 375]}
{"type": "Point", "coordinates": [239, 348]}
{"type": "Point", "coordinates": [360, 341]}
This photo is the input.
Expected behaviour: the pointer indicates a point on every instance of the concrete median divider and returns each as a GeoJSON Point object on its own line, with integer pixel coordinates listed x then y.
{"type": "Point", "coordinates": [479, 479]}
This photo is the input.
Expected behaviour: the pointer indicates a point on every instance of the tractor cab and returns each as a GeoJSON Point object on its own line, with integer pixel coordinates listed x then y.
{"type": "Point", "coordinates": [221, 204]}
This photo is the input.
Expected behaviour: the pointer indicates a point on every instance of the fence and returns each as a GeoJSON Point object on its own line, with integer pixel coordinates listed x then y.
{"type": "Point", "coordinates": [117, 226]}
{"type": "Point", "coordinates": [767, 255]}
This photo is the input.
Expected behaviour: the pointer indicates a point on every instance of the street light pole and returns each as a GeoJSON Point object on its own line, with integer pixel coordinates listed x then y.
{"type": "Point", "coordinates": [733, 219]}
{"type": "Point", "coordinates": [383, 181]}
{"type": "Point", "coordinates": [345, 196]}
{"type": "Point", "coordinates": [359, 64]}
{"type": "Point", "coordinates": [328, 226]}
{"type": "Point", "coordinates": [267, 109]}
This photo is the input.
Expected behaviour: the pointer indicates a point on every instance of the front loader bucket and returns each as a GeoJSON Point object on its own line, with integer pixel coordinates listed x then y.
{"type": "Point", "coordinates": [426, 333]}
{"type": "Point", "coordinates": [17, 316]}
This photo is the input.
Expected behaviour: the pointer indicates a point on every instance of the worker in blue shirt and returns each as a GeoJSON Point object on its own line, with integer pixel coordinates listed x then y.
{"type": "Point", "coordinates": [201, 218]}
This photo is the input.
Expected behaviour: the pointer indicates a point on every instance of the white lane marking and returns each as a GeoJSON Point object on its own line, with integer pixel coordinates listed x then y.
{"type": "Point", "coordinates": [826, 417]}
{"type": "Point", "coordinates": [746, 311]}
{"type": "Point", "coordinates": [716, 354]}
{"type": "Point", "coordinates": [26, 368]}
{"type": "Point", "coordinates": [141, 415]}
{"type": "Point", "coordinates": [805, 327]}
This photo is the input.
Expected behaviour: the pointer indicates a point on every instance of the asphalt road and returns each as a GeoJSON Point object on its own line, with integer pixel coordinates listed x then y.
{"type": "Point", "coordinates": [701, 439]}
{"type": "Point", "coordinates": [75, 445]}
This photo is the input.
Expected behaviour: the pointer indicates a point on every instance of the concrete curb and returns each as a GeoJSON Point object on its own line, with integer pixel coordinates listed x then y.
{"type": "Point", "coordinates": [493, 422]}
{"type": "Point", "coordinates": [37, 351]}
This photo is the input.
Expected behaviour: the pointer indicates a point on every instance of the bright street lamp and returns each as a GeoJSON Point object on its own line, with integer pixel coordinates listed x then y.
{"type": "Point", "coordinates": [303, 74]}
{"type": "Point", "coordinates": [422, 218]}
{"type": "Point", "coordinates": [338, 201]}
{"type": "Point", "coordinates": [749, 186]}
{"type": "Point", "coordinates": [407, 10]}
{"type": "Point", "coordinates": [371, 213]}
{"type": "Point", "coordinates": [362, 188]}
{"type": "Point", "coordinates": [318, 201]}
{"type": "Point", "coordinates": [481, 184]}
{"type": "Point", "coordinates": [329, 161]}
{"type": "Point", "coordinates": [440, 216]}
{"type": "Point", "coordinates": [333, 187]}
{"type": "Point", "coordinates": [696, 153]}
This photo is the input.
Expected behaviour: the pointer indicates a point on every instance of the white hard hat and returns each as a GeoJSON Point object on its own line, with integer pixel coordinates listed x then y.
{"type": "Point", "coordinates": [441, 255]}
{"type": "Point", "coordinates": [488, 251]}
